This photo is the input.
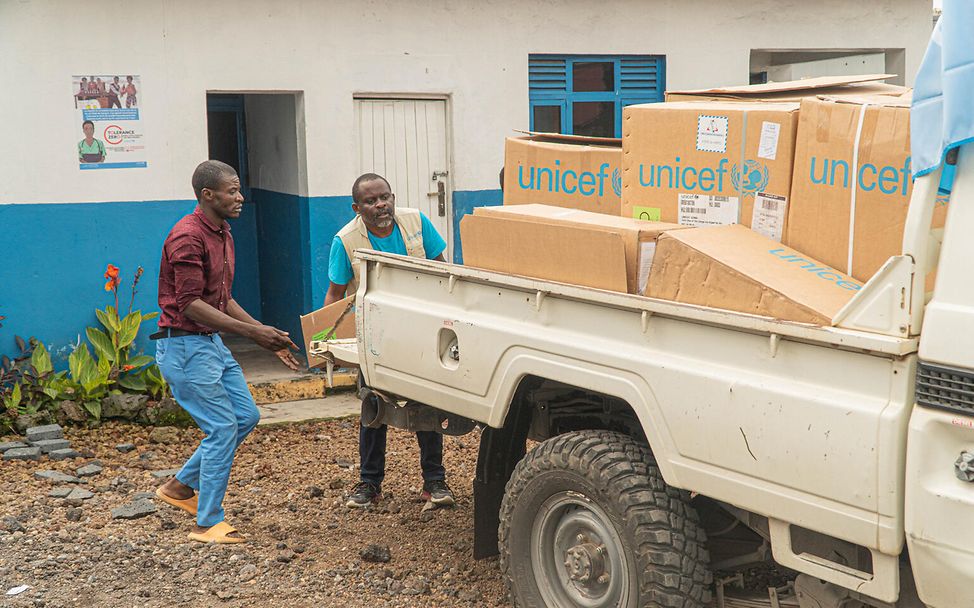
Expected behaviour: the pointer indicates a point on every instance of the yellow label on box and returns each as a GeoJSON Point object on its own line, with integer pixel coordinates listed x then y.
{"type": "Point", "coordinates": [651, 214]}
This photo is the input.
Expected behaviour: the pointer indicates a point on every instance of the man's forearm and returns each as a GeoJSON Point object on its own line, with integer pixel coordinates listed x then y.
{"type": "Point", "coordinates": [204, 314]}
{"type": "Point", "coordinates": [237, 312]}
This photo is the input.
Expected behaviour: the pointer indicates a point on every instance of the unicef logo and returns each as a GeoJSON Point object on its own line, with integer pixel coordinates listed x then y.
{"type": "Point", "coordinates": [754, 177]}
{"type": "Point", "coordinates": [617, 182]}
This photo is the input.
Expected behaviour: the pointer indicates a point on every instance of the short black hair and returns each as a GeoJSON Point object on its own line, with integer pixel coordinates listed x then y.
{"type": "Point", "coordinates": [87, 122]}
{"type": "Point", "coordinates": [209, 174]}
{"type": "Point", "coordinates": [366, 177]}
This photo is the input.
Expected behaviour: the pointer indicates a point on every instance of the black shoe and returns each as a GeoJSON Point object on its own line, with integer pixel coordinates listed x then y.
{"type": "Point", "coordinates": [438, 493]}
{"type": "Point", "coordinates": [363, 495]}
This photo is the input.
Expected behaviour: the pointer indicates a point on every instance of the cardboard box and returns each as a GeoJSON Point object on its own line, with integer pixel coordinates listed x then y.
{"type": "Point", "coordinates": [709, 163]}
{"type": "Point", "coordinates": [734, 268]}
{"type": "Point", "coordinates": [638, 240]}
{"type": "Point", "coordinates": [837, 185]}
{"type": "Point", "coordinates": [318, 325]}
{"type": "Point", "coordinates": [564, 170]}
{"type": "Point", "coordinates": [794, 90]}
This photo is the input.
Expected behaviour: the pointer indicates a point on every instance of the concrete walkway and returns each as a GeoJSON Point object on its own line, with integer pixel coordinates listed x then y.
{"type": "Point", "coordinates": [336, 405]}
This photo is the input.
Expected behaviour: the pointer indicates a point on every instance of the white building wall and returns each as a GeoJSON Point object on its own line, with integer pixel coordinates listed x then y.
{"type": "Point", "coordinates": [476, 52]}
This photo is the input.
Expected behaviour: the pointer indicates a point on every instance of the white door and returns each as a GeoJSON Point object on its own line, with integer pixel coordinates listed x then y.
{"type": "Point", "coordinates": [405, 141]}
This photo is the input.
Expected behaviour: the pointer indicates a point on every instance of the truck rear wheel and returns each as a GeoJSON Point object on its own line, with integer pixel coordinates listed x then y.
{"type": "Point", "coordinates": [588, 521]}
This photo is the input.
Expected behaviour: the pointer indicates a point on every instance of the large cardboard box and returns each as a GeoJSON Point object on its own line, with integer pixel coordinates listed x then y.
{"type": "Point", "coordinates": [564, 170]}
{"type": "Point", "coordinates": [709, 163]}
{"type": "Point", "coordinates": [734, 268]}
{"type": "Point", "coordinates": [852, 183]}
{"type": "Point", "coordinates": [794, 90]}
{"type": "Point", "coordinates": [319, 324]}
{"type": "Point", "coordinates": [638, 242]}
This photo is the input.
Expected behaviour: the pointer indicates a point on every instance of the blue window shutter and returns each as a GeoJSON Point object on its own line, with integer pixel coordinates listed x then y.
{"type": "Point", "coordinates": [547, 76]}
{"type": "Point", "coordinates": [640, 77]}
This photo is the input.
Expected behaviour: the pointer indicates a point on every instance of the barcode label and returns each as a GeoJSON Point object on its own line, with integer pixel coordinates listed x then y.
{"type": "Point", "coordinates": [769, 215]}
{"type": "Point", "coordinates": [707, 210]}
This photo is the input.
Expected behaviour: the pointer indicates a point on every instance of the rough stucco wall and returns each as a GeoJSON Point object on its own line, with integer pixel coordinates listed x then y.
{"type": "Point", "coordinates": [474, 52]}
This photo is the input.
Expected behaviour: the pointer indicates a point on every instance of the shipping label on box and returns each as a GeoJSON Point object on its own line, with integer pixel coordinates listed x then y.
{"type": "Point", "coordinates": [848, 205]}
{"type": "Point", "coordinates": [321, 325]}
{"type": "Point", "coordinates": [704, 163]}
{"type": "Point", "coordinates": [572, 172]}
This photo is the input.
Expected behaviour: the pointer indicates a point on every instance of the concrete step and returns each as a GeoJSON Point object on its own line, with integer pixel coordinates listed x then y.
{"type": "Point", "coordinates": [309, 386]}
{"type": "Point", "coordinates": [337, 405]}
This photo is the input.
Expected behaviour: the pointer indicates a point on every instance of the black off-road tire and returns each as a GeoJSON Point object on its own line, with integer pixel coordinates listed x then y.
{"type": "Point", "coordinates": [661, 537]}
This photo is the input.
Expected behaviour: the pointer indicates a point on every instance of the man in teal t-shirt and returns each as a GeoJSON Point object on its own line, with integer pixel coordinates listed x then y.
{"type": "Point", "coordinates": [375, 208]}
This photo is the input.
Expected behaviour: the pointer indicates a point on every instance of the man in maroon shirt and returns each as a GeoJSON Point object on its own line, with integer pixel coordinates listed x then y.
{"type": "Point", "coordinates": [195, 287]}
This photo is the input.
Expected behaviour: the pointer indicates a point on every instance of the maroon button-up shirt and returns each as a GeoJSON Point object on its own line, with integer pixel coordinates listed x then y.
{"type": "Point", "coordinates": [197, 264]}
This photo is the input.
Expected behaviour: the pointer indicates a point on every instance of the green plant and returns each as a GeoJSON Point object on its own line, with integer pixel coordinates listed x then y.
{"type": "Point", "coordinates": [27, 382]}
{"type": "Point", "coordinates": [114, 343]}
{"type": "Point", "coordinates": [42, 387]}
{"type": "Point", "coordinates": [155, 384]}
{"type": "Point", "coordinates": [89, 380]}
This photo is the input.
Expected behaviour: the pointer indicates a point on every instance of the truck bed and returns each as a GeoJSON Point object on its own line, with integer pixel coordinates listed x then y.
{"type": "Point", "coordinates": [801, 423]}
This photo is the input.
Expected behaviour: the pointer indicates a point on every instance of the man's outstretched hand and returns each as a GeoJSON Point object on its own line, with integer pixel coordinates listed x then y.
{"type": "Point", "coordinates": [288, 358]}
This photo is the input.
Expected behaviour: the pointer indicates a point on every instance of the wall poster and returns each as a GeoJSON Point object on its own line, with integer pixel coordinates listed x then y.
{"type": "Point", "coordinates": [109, 121]}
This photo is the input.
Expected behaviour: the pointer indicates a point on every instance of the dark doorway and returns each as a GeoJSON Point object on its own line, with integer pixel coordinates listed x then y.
{"type": "Point", "coordinates": [227, 132]}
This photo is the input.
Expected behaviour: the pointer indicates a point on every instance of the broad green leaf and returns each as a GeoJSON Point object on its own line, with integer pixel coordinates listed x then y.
{"type": "Point", "coordinates": [41, 360]}
{"type": "Point", "coordinates": [107, 319]}
{"type": "Point", "coordinates": [50, 392]}
{"type": "Point", "coordinates": [103, 369]}
{"type": "Point", "coordinates": [133, 383]}
{"type": "Point", "coordinates": [94, 408]}
{"type": "Point", "coordinates": [128, 331]}
{"type": "Point", "coordinates": [140, 361]}
{"type": "Point", "coordinates": [151, 315]}
{"type": "Point", "coordinates": [101, 342]}
{"type": "Point", "coordinates": [75, 361]}
{"type": "Point", "coordinates": [15, 395]}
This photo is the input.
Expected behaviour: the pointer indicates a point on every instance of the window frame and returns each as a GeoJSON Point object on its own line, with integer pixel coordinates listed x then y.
{"type": "Point", "coordinates": [546, 95]}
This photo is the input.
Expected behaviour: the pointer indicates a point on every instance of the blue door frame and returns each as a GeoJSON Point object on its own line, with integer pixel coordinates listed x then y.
{"type": "Point", "coordinates": [228, 110]}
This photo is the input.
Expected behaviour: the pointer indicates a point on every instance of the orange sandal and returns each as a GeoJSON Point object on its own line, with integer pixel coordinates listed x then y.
{"type": "Point", "coordinates": [219, 534]}
{"type": "Point", "coordinates": [187, 504]}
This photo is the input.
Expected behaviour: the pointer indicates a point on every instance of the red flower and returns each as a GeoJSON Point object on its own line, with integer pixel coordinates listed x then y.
{"type": "Point", "coordinates": [126, 368]}
{"type": "Point", "coordinates": [111, 273]}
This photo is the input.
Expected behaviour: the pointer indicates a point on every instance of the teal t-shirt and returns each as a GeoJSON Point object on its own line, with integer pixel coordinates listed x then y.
{"type": "Point", "coordinates": [96, 147]}
{"type": "Point", "coordinates": [340, 267]}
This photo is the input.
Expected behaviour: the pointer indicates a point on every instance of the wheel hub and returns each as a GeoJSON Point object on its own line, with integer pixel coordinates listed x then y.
{"type": "Point", "coordinates": [585, 562]}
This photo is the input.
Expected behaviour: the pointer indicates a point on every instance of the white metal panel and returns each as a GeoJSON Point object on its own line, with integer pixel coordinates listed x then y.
{"type": "Point", "coordinates": [405, 141]}
{"type": "Point", "coordinates": [767, 415]}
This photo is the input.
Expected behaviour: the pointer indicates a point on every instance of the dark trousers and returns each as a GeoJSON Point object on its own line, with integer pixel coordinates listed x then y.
{"type": "Point", "coordinates": [372, 453]}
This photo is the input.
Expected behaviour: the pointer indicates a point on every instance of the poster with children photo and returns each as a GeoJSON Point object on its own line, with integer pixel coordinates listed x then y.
{"type": "Point", "coordinates": [109, 121]}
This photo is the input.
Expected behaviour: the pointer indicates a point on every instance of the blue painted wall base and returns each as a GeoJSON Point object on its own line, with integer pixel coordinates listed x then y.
{"type": "Point", "coordinates": [54, 257]}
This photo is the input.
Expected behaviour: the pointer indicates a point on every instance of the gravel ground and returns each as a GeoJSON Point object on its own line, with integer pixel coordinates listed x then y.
{"type": "Point", "coordinates": [285, 494]}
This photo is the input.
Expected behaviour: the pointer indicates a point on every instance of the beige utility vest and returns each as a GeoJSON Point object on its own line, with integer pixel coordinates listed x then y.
{"type": "Point", "coordinates": [355, 235]}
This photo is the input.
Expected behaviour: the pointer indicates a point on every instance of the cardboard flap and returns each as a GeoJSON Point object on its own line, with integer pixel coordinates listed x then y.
{"type": "Point", "coordinates": [571, 139]}
{"type": "Point", "coordinates": [556, 253]}
{"type": "Point", "coordinates": [805, 84]}
{"type": "Point", "coordinates": [802, 280]}
{"type": "Point", "coordinates": [894, 101]}
{"type": "Point", "coordinates": [318, 324]}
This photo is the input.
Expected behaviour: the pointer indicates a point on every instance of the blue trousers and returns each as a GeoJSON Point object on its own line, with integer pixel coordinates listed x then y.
{"type": "Point", "coordinates": [372, 454]}
{"type": "Point", "coordinates": [207, 382]}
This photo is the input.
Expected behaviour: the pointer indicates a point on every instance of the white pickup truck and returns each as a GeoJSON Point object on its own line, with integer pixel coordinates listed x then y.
{"type": "Point", "coordinates": [678, 440]}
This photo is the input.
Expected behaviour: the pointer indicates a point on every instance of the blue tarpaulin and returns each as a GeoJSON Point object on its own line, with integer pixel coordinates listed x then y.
{"type": "Point", "coordinates": [942, 115]}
